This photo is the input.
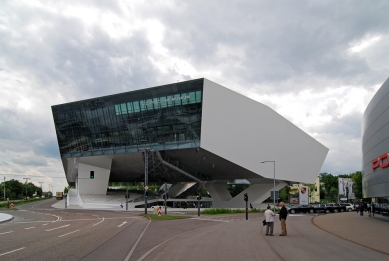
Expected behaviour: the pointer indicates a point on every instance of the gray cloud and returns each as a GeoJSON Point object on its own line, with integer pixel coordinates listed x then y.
{"type": "Point", "coordinates": [254, 47]}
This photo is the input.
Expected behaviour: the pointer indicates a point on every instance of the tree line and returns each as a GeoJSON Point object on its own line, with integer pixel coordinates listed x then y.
{"type": "Point", "coordinates": [329, 186]}
{"type": "Point", "coordinates": [15, 189]}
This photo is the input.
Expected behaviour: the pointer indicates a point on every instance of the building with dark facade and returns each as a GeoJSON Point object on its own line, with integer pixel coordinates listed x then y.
{"type": "Point", "coordinates": [194, 132]}
{"type": "Point", "coordinates": [375, 146]}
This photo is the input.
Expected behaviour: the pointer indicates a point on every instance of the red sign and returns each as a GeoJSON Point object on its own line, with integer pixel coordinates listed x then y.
{"type": "Point", "coordinates": [381, 162]}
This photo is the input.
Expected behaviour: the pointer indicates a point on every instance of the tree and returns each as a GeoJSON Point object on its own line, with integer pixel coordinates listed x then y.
{"type": "Point", "coordinates": [357, 187]}
{"type": "Point", "coordinates": [284, 193]}
{"type": "Point", "coordinates": [333, 194]}
{"type": "Point", "coordinates": [330, 182]}
{"type": "Point", "coordinates": [235, 189]}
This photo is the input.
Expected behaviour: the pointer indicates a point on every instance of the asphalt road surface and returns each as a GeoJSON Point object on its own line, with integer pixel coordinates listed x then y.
{"type": "Point", "coordinates": [39, 232]}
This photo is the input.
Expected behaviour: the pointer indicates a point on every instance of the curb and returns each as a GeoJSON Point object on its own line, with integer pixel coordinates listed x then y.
{"type": "Point", "coordinates": [6, 220]}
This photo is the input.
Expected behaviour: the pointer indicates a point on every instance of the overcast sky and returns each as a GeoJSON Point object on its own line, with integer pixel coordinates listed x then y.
{"type": "Point", "coordinates": [317, 63]}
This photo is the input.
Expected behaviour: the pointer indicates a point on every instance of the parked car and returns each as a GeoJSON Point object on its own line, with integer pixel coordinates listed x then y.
{"type": "Point", "coordinates": [302, 209]}
{"type": "Point", "coordinates": [324, 208]}
{"type": "Point", "coordinates": [349, 206]}
{"type": "Point", "coordinates": [333, 207]}
{"type": "Point", "coordinates": [340, 207]}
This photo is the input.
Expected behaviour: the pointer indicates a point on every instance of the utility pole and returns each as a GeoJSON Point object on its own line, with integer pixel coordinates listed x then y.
{"type": "Point", "coordinates": [41, 189]}
{"type": "Point", "coordinates": [4, 188]}
{"type": "Point", "coordinates": [26, 185]}
{"type": "Point", "coordinates": [165, 198]}
{"type": "Point", "coordinates": [146, 151]}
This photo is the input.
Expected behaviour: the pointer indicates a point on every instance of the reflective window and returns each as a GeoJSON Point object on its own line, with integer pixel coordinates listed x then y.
{"type": "Point", "coordinates": [124, 122]}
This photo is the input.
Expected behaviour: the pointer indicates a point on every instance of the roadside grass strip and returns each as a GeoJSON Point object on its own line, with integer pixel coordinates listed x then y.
{"type": "Point", "coordinates": [216, 211]}
{"type": "Point", "coordinates": [12, 251]}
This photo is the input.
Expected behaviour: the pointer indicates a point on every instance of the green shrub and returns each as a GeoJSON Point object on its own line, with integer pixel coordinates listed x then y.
{"type": "Point", "coordinates": [215, 211]}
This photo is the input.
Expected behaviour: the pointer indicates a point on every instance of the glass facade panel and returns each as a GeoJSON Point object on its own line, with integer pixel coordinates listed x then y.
{"type": "Point", "coordinates": [165, 117]}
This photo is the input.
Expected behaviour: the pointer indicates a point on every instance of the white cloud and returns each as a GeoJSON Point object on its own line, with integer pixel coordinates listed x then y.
{"type": "Point", "coordinates": [317, 67]}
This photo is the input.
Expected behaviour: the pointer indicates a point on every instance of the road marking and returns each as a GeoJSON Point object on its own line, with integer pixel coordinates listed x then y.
{"type": "Point", "coordinates": [58, 227]}
{"type": "Point", "coordinates": [6, 232]}
{"type": "Point", "coordinates": [29, 227]}
{"type": "Point", "coordinates": [45, 224]}
{"type": "Point", "coordinates": [69, 233]}
{"type": "Point", "coordinates": [98, 223]}
{"type": "Point", "coordinates": [122, 223]}
{"type": "Point", "coordinates": [136, 243]}
{"type": "Point", "coordinates": [12, 251]}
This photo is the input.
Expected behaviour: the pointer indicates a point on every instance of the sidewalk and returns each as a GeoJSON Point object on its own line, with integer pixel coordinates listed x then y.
{"type": "Point", "coordinates": [5, 217]}
{"type": "Point", "coordinates": [371, 232]}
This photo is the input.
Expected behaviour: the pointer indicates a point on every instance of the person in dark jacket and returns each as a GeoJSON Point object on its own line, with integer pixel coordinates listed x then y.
{"type": "Point", "coordinates": [283, 214]}
{"type": "Point", "coordinates": [361, 208]}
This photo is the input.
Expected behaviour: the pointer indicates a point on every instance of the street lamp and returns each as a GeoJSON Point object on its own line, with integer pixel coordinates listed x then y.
{"type": "Point", "coordinates": [274, 188]}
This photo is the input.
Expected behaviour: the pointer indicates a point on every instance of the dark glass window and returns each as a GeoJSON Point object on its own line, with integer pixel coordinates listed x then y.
{"type": "Point", "coordinates": [165, 117]}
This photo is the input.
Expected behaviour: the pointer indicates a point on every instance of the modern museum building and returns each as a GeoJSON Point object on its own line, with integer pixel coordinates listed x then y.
{"type": "Point", "coordinates": [188, 134]}
{"type": "Point", "coordinates": [375, 147]}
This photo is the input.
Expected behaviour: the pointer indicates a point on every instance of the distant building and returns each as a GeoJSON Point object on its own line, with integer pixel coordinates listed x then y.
{"type": "Point", "coordinates": [375, 147]}
{"type": "Point", "coordinates": [198, 133]}
{"type": "Point", "coordinates": [314, 196]}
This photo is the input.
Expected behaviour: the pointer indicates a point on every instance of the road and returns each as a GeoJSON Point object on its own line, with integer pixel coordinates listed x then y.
{"type": "Point", "coordinates": [39, 232]}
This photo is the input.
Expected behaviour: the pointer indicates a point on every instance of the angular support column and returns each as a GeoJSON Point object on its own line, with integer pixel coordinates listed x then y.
{"type": "Point", "coordinates": [257, 193]}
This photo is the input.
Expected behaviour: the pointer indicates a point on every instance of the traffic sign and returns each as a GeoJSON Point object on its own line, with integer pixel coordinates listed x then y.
{"type": "Point", "coordinates": [159, 212]}
{"type": "Point", "coordinates": [11, 205]}
{"type": "Point", "coordinates": [146, 188]}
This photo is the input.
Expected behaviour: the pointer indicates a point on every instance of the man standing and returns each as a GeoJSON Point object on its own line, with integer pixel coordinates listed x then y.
{"type": "Point", "coordinates": [361, 208]}
{"type": "Point", "coordinates": [269, 215]}
{"type": "Point", "coordinates": [283, 214]}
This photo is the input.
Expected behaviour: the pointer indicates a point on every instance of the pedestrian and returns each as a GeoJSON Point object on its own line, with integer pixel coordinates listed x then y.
{"type": "Point", "coordinates": [369, 208]}
{"type": "Point", "coordinates": [269, 215]}
{"type": "Point", "coordinates": [372, 209]}
{"type": "Point", "coordinates": [361, 208]}
{"type": "Point", "coordinates": [283, 214]}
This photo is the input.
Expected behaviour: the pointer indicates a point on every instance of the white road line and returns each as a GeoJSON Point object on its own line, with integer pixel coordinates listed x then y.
{"type": "Point", "coordinates": [45, 224]}
{"type": "Point", "coordinates": [98, 223]}
{"type": "Point", "coordinates": [29, 227]}
{"type": "Point", "coordinates": [6, 232]}
{"type": "Point", "coordinates": [122, 223]}
{"type": "Point", "coordinates": [136, 243]}
{"type": "Point", "coordinates": [12, 251]}
{"type": "Point", "coordinates": [57, 227]}
{"type": "Point", "coordinates": [69, 233]}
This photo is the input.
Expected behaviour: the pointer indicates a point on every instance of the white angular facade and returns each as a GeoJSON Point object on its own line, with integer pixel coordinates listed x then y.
{"type": "Point", "coordinates": [197, 131]}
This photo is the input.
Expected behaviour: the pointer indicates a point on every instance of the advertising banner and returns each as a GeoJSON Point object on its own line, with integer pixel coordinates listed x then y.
{"type": "Point", "coordinates": [346, 188]}
{"type": "Point", "coordinates": [303, 194]}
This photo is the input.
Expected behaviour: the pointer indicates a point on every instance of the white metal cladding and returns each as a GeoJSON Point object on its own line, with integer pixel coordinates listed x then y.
{"type": "Point", "coordinates": [247, 132]}
{"type": "Point", "coordinates": [375, 142]}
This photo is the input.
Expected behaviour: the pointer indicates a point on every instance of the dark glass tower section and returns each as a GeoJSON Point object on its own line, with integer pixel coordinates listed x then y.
{"type": "Point", "coordinates": [161, 118]}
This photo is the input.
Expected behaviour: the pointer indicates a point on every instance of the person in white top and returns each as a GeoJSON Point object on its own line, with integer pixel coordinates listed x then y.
{"type": "Point", "coordinates": [269, 215]}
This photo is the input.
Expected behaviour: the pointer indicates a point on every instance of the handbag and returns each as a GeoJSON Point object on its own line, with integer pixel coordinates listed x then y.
{"type": "Point", "coordinates": [264, 222]}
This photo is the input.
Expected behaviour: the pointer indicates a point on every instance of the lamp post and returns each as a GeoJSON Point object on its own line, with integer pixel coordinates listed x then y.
{"type": "Point", "coordinates": [274, 188]}
{"type": "Point", "coordinates": [26, 185]}
{"type": "Point", "coordinates": [146, 187]}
